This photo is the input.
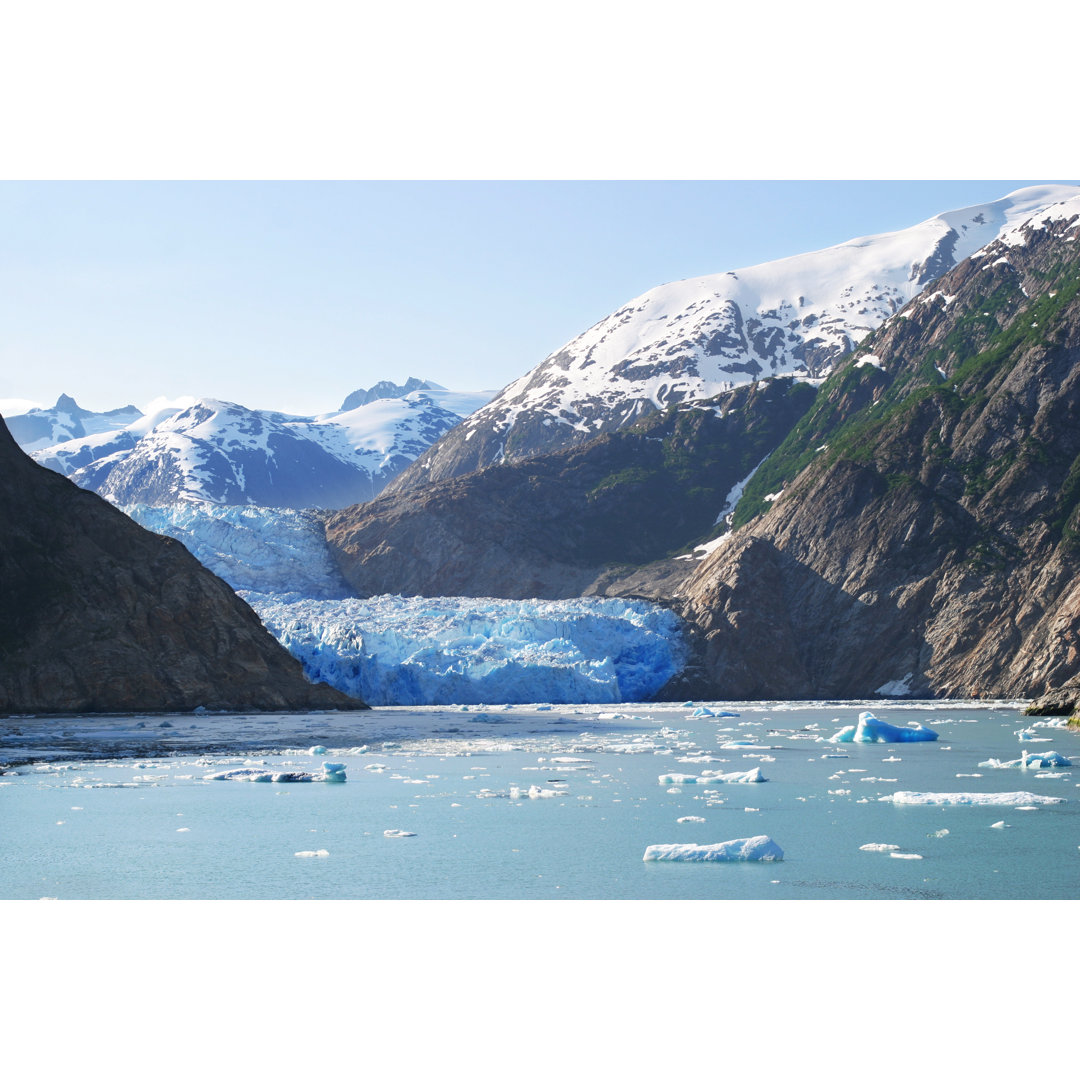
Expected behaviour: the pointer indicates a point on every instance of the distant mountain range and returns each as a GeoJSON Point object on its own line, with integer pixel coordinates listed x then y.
{"type": "Point", "coordinates": [226, 454]}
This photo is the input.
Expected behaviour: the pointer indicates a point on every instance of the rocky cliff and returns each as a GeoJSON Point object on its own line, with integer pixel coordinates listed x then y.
{"type": "Point", "coordinates": [99, 615]}
{"type": "Point", "coordinates": [922, 526]}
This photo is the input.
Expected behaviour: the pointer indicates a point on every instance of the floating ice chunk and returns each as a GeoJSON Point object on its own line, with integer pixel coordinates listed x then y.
{"type": "Point", "coordinates": [1050, 760]}
{"type": "Point", "coordinates": [690, 819]}
{"type": "Point", "coordinates": [751, 776]}
{"type": "Point", "coordinates": [317, 750]}
{"type": "Point", "coordinates": [534, 792]}
{"type": "Point", "coordinates": [750, 849]}
{"type": "Point", "coordinates": [395, 834]}
{"type": "Point", "coordinates": [939, 834]}
{"type": "Point", "coordinates": [1000, 825]}
{"type": "Point", "coordinates": [879, 847]}
{"type": "Point", "coordinates": [1018, 799]}
{"type": "Point", "coordinates": [260, 775]}
{"type": "Point", "coordinates": [903, 855]}
{"type": "Point", "coordinates": [333, 772]}
{"type": "Point", "coordinates": [321, 853]}
{"type": "Point", "coordinates": [870, 729]}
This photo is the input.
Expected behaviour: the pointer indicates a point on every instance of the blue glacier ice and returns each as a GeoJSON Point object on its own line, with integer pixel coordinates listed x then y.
{"type": "Point", "coordinates": [392, 650]}
{"type": "Point", "coordinates": [263, 548]}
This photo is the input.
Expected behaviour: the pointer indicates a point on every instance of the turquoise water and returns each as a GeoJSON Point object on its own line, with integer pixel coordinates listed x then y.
{"type": "Point", "coordinates": [126, 811]}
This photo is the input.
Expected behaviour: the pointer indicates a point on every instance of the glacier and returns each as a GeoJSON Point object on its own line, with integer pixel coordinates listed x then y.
{"type": "Point", "coordinates": [390, 650]}
{"type": "Point", "coordinates": [393, 650]}
{"type": "Point", "coordinates": [265, 549]}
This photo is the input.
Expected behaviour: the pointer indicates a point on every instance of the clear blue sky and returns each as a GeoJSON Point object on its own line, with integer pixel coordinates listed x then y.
{"type": "Point", "coordinates": [290, 295]}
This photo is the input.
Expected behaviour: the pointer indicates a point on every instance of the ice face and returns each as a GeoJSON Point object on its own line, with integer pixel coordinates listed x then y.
{"type": "Point", "coordinates": [391, 650]}
{"type": "Point", "coordinates": [870, 730]}
{"type": "Point", "coordinates": [749, 849]}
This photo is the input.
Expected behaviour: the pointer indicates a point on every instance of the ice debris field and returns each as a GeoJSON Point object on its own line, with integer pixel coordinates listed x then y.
{"type": "Point", "coordinates": [674, 801]}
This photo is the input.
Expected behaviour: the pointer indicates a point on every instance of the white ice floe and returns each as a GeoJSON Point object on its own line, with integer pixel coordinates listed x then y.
{"type": "Point", "coordinates": [395, 834]}
{"type": "Point", "coordinates": [690, 819]}
{"type": "Point", "coordinates": [870, 730]}
{"type": "Point", "coordinates": [333, 772]}
{"type": "Point", "coordinates": [968, 798]}
{"type": "Point", "coordinates": [879, 847]}
{"type": "Point", "coordinates": [534, 791]}
{"type": "Point", "coordinates": [321, 853]}
{"type": "Point", "coordinates": [1000, 825]}
{"type": "Point", "coordinates": [1050, 760]}
{"type": "Point", "coordinates": [903, 855]}
{"type": "Point", "coordinates": [749, 849]}
{"type": "Point", "coordinates": [751, 776]}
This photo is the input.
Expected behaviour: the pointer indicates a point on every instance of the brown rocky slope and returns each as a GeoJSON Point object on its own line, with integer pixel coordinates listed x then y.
{"type": "Point", "coordinates": [99, 615]}
{"type": "Point", "coordinates": [928, 530]}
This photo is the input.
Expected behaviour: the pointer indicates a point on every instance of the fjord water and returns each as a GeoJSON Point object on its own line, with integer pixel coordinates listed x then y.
{"type": "Point", "coordinates": [125, 810]}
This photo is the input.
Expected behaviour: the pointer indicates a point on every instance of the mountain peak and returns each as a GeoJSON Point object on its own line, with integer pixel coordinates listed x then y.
{"type": "Point", "coordinates": [387, 389]}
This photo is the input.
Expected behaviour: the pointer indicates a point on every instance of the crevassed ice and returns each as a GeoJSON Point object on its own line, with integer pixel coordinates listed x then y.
{"type": "Point", "coordinates": [458, 650]}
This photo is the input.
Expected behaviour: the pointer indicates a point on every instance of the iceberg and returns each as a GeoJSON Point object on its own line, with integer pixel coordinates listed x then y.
{"type": "Point", "coordinates": [968, 798]}
{"type": "Point", "coordinates": [393, 650]}
{"type": "Point", "coordinates": [872, 730]}
{"type": "Point", "coordinates": [1050, 760]}
{"type": "Point", "coordinates": [333, 773]}
{"type": "Point", "coordinates": [749, 849]}
{"type": "Point", "coordinates": [751, 776]}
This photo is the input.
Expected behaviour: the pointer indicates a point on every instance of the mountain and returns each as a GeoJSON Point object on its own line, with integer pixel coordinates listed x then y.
{"type": "Point", "coordinates": [575, 522]}
{"type": "Point", "coordinates": [99, 615]}
{"type": "Point", "coordinates": [223, 453]}
{"type": "Point", "coordinates": [697, 338]}
{"type": "Point", "coordinates": [39, 428]}
{"type": "Point", "coordinates": [919, 530]}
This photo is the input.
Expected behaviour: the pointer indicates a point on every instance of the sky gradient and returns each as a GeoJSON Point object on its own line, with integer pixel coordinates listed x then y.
{"type": "Point", "coordinates": [289, 295]}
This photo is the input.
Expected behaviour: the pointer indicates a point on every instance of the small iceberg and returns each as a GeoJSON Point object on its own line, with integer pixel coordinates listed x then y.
{"type": "Point", "coordinates": [321, 853]}
{"type": "Point", "coordinates": [395, 834]}
{"type": "Point", "coordinates": [1050, 760]}
{"type": "Point", "coordinates": [751, 776]}
{"type": "Point", "coordinates": [749, 849]}
{"type": "Point", "coordinates": [968, 798]}
{"type": "Point", "coordinates": [872, 730]}
{"type": "Point", "coordinates": [333, 773]}
{"type": "Point", "coordinates": [879, 847]}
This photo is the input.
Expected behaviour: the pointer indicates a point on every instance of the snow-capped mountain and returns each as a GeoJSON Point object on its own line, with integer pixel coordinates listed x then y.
{"type": "Point", "coordinates": [39, 428]}
{"type": "Point", "coordinates": [700, 337]}
{"type": "Point", "coordinates": [220, 452]}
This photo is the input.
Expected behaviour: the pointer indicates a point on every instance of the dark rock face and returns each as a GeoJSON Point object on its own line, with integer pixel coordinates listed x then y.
{"type": "Point", "coordinates": [99, 615]}
{"type": "Point", "coordinates": [928, 530]}
{"type": "Point", "coordinates": [1063, 700]}
{"type": "Point", "coordinates": [605, 518]}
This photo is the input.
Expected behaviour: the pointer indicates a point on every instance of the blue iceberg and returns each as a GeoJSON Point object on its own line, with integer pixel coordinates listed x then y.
{"type": "Point", "coordinates": [872, 730]}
